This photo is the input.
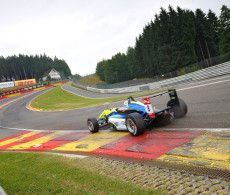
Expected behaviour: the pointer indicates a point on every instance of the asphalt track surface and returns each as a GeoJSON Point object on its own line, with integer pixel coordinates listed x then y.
{"type": "Point", "coordinates": [208, 107]}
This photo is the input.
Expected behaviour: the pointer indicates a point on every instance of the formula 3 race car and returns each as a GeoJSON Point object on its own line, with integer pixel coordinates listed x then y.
{"type": "Point", "coordinates": [136, 116]}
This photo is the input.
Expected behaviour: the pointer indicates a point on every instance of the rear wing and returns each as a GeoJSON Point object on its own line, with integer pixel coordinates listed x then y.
{"type": "Point", "coordinates": [174, 101]}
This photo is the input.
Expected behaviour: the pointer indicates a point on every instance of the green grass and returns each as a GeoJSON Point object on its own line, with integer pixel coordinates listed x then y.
{"type": "Point", "coordinates": [58, 99]}
{"type": "Point", "coordinates": [92, 79]}
{"type": "Point", "coordinates": [37, 173]}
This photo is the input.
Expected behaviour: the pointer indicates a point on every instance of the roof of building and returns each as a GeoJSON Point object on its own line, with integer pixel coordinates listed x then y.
{"type": "Point", "coordinates": [46, 73]}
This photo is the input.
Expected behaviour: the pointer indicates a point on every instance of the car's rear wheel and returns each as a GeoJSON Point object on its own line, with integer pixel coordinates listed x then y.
{"type": "Point", "coordinates": [179, 110]}
{"type": "Point", "coordinates": [135, 124]}
{"type": "Point", "coordinates": [165, 119]}
{"type": "Point", "coordinates": [162, 119]}
{"type": "Point", "coordinates": [93, 125]}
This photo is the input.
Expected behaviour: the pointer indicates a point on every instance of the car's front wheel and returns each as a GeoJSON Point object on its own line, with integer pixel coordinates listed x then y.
{"type": "Point", "coordinates": [135, 124]}
{"type": "Point", "coordinates": [93, 125]}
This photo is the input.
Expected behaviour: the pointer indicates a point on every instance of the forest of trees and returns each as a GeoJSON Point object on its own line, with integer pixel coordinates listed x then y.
{"type": "Point", "coordinates": [27, 67]}
{"type": "Point", "coordinates": [176, 38]}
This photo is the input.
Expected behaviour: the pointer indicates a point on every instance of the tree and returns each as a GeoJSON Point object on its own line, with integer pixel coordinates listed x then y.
{"type": "Point", "coordinates": [213, 33]}
{"type": "Point", "coordinates": [48, 78]}
{"type": "Point", "coordinates": [174, 39]}
{"type": "Point", "coordinates": [131, 61]}
{"type": "Point", "coordinates": [76, 76]}
{"type": "Point", "coordinates": [224, 35]}
{"type": "Point", "coordinates": [26, 67]}
{"type": "Point", "coordinates": [100, 70]}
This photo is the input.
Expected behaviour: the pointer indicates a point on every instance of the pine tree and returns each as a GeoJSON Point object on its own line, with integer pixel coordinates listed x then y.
{"type": "Point", "coordinates": [224, 35]}
{"type": "Point", "coordinates": [175, 39]}
{"type": "Point", "coordinates": [213, 33]}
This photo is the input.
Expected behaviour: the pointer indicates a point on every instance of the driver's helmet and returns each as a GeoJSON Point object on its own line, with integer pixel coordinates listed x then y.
{"type": "Point", "coordinates": [126, 103]}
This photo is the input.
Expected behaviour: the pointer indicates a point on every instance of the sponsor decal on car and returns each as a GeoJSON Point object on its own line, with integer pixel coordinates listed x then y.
{"type": "Point", "coordinates": [148, 107]}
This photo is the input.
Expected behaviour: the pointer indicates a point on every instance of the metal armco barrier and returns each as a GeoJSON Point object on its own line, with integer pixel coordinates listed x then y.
{"type": "Point", "coordinates": [26, 90]}
{"type": "Point", "coordinates": [20, 90]}
{"type": "Point", "coordinates": [213, 71]}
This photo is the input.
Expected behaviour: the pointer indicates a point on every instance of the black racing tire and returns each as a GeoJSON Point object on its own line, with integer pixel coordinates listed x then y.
{"type": "Point", "coordinates": [93, 125]}
{"type": "Point", "coordinates": [164, 120]}
{"type": "Point", "coordinates": [179, 111]}
{"type": "Point", "coordinates": [135, 124]}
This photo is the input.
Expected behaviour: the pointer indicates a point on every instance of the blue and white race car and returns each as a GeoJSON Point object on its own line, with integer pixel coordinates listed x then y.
{"type": "Point", "coordinates": [136, 116]}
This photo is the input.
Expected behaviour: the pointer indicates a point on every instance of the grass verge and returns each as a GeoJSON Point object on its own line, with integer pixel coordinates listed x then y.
{"type": "Point", "coordinates": [92, 79]}
{"type": "Point", "coordinates": [58, 99]}
{"type": "Point", "coordinates": [37, 173]}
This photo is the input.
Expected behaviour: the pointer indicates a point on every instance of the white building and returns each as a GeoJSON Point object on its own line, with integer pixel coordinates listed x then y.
{"type": "Point", "coordinates": [52, 73]}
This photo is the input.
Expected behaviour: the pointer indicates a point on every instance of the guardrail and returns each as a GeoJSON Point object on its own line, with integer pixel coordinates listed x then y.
{"type": "Point", "coordinates": [213, 71]}
{"type": "Point", "coordinates": [26, 90]}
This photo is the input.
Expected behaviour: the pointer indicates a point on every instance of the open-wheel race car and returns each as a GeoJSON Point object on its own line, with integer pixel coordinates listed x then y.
{"type": "Point", "coordinates": [136, 116]}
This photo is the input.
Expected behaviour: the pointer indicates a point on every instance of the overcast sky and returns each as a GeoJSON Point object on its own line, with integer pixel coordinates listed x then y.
{"type": "Point", "coordinates": [82, 32]}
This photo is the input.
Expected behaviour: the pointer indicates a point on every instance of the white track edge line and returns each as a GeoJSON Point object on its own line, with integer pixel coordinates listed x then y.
{"type": "Point", "coordinates": [197, 129]}
{"type": "Point", "coordinates": [171, 129]}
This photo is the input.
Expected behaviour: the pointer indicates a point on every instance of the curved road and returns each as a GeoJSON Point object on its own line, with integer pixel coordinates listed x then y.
{"type": "Point", "coordinates": [208, 107]}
